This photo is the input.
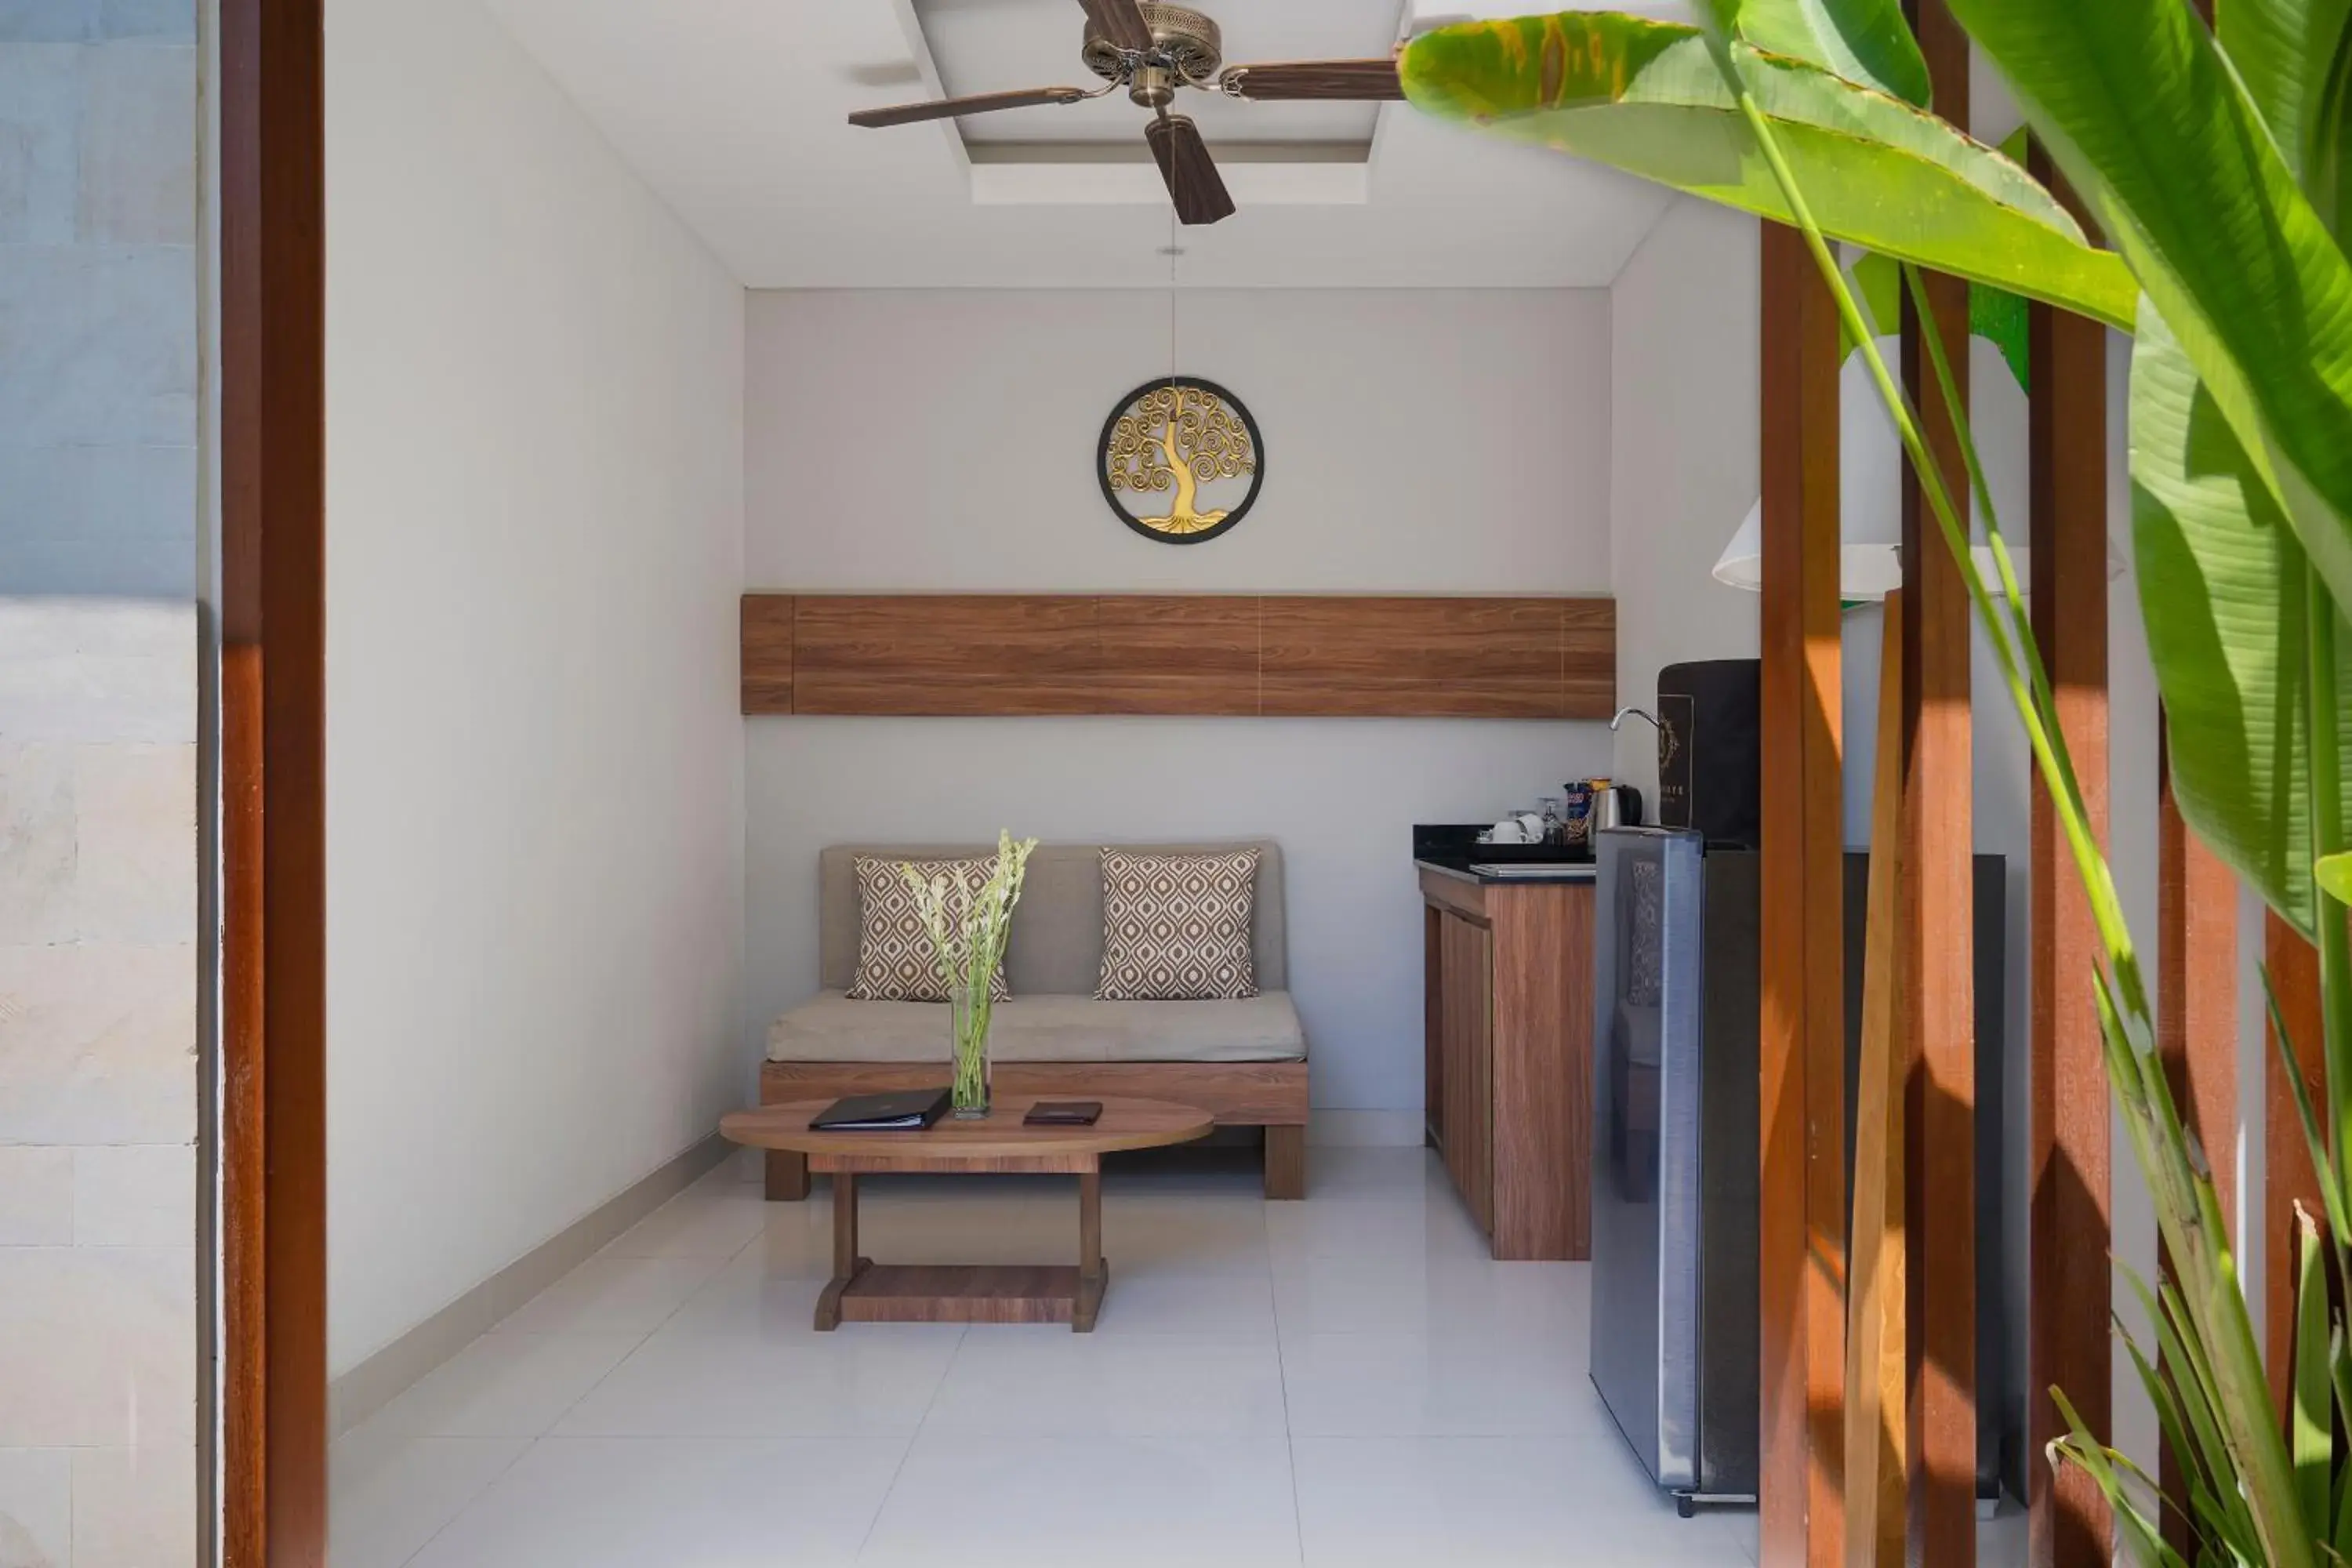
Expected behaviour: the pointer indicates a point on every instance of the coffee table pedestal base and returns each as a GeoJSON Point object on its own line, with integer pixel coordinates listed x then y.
{"type": "Point", "coordinates": [864, 1291]}
{"type": "Point", "coordinates": [963, 1293]}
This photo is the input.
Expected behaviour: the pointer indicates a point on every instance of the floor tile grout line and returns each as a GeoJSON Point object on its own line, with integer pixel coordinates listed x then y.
{"type": "Point", "coordinates": [1268, 1243]}
{"type": "Point", "coordinates": [1289, 1437]}
{"type": "Point", "coordinates": [532, 1442]}
{"type": "Point", "coordinates": [481, 1492]}
{"type": "Point", "coordinates": [907, 1452]}
{"type": "Point", "coordinates": [637, 1341]}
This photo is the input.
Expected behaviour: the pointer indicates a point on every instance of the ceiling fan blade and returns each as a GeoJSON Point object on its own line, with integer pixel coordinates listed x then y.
{"type": "Point", "coordinates": [1277, 80]}
{"type": "Point", "coordinates": [1193, 183]}
{"type": "Point", "coordinates": [1120, 22]}
{"type": "Point", "coordinates": [978, 103]}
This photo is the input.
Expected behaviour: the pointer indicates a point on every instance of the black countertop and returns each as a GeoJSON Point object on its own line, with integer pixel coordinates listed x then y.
{"type": "Point", "coordinates": [1453, 849]}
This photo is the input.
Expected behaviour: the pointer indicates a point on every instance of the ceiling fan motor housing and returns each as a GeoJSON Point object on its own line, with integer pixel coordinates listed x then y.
{"type": "Point", "coordinates": [1186, 50]}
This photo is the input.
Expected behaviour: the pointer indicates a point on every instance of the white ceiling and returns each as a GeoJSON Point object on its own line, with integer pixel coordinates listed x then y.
{"type": "Point", "coordinates": [981, 46]}
{"type": "Point", "coordinates": [734, 111]}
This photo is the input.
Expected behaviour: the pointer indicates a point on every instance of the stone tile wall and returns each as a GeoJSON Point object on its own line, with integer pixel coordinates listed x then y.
{"type": "Point", "coordinates": [99, 962]}
{"type": "Point", "coordinates": [97, 297]}
{"type": "Point", "coordinates": [98, 954]}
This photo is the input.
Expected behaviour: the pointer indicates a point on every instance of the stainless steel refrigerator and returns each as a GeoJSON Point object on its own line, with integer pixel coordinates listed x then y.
{"type": "Point", "coordinates": [1674, 1158]}
{"type": "Point", "coordinates": [1675, 1112]}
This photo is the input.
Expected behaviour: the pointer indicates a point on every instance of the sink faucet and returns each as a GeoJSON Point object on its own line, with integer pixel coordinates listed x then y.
{"type": "Point", "coordinates": [1622, 713]}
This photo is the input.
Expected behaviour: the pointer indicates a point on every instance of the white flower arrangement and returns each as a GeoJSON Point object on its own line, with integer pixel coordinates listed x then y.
{"type": "Point", "coordinates": [968, 941]}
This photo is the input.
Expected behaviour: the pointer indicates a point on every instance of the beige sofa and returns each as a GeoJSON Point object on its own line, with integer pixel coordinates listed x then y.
{"type": "Point", "coordinates": [1242, 1061]}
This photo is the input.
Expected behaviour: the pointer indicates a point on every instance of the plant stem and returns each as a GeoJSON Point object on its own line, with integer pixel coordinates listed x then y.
{"type": "Point", "coordinates": [2012, 596]}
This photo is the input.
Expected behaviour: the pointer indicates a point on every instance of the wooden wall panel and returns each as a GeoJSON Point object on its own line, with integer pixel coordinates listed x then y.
{"type": "Point", "coordinates": [1245, 655]}
{"type": "Point", "coordinates": [1437, 657]}
{"type": "Point", "coordinates": [1588, 637]}
{"type": "Point", "coordinates": [944, 654]}
{"type": "Point", "coordinates": [767, 653]}
{"type": "Point", "coordinates": [1801, 1217]}
{"type": "Point", "coordinates": [2069, 1344]}
{"type": "Point", "coordinates": [1178, 654]}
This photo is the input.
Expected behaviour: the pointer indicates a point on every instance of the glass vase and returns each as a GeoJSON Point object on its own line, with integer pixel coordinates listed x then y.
{"type": "Point", "coordinates": [969, 1021]}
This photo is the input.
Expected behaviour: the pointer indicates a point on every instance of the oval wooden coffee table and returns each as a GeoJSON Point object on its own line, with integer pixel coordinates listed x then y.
{"type": "Point", "coordinates": [864, 1292]}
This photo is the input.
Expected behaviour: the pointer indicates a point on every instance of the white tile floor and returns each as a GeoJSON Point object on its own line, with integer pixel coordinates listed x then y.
{"type": "Point", "coordinates": [1346, 1381]}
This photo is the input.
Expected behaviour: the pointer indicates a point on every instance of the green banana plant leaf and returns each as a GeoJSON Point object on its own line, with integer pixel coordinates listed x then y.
{"type": "Point", "coordinates": [2335, 875]}
{"type": "Point", "coordinates": [2311, 1415]}
{"type": "Point", "coordinates": [2223, 592]}
{"type": "Point", "coordinates": [2105, 1467]}
{"type": "Point", "coordinates": [1864, 41]}
{"type": "Point", "coordinates": [1996, 315]}
{"type": "Point", "coordinates": [1647, 97]}
{"type": "Point", "coordinates": [2157, 133]}
{"type": "Point", "coordinates": [2291, 55]}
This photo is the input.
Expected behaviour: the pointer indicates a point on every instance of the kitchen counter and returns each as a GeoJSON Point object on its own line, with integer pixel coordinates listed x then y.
{"type": "Point", "coordinates": [1507, 1013]}
{"type": "Point", "coordinates": [1534, 874]}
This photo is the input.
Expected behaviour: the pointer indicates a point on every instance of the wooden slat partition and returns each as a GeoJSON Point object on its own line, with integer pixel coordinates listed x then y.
{"type": "Point", "coordinates": [1877, 1377]}
{"type": "Point", "coordinates": [2287, 1176]}
{"type": "Point", "coordinates": [1938, 877]}
{"type": "Point", "coordinates": [2197, 1008]}
{"type": "Point", "coordinates": [1801, 1203]}
{"type": "Point", "coordinates": [2196, 1032]}
{"type": "Point", "coordinates": [1245, 655]}
{"type": "Point", "coordinates": [2070, 1346]}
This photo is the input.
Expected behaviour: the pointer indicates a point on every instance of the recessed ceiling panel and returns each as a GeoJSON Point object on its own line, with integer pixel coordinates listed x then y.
{"type": "Point", "coordinates": [736, 111]}
{"type": "Point", "coordinates": [987, 45]}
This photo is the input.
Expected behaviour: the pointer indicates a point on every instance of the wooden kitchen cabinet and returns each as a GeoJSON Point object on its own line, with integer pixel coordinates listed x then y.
{"type": "Point", "coordinates": [1508, 1015]}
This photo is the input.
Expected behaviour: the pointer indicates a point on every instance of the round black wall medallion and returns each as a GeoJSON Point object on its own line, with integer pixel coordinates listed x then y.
{"type": "Point", "coordinates": [1180, 459]}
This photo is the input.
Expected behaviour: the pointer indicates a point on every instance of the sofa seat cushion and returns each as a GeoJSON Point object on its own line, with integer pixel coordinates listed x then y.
{"type": "Point", "coordinates": [1047, 1029]}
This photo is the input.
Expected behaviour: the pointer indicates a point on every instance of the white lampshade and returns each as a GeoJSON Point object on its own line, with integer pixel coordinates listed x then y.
{"type": "Point", "coordinates": [1866, 572]}
{"type": "Point", "coordinates": [1870, 503]}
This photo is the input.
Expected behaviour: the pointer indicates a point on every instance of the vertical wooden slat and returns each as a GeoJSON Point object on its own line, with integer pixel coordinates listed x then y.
{"type": "Point", "coordinates": [273, 786]}
{"type": "Point", "coordinates": [1876, 1375]}
{"type": "Point", "coordinates": [2196, 1028]}
{"type": "Point", "coordinates": [2195, 1023]}
{"type": "Point", "coordinates": [2287, 1176]}
{"type": "Point", "coordinates": [1802, 1216]}
{"type": "Point", "coordinates": [2197, 1011]}
{"type": "Point", "coordinates": [2069, 1344]}
{"type": "Point", "coordinates": [1938, 879]}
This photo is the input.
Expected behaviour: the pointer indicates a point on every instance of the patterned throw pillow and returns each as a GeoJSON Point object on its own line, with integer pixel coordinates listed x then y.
{"type": "Point", "coordinates": [1176, 928]}
{"type": "Point", "coordinates": [895, 960]}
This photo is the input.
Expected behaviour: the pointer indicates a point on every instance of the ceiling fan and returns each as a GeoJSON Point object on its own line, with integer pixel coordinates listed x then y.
{"type": "Point", "coordinates": [1152, 50]}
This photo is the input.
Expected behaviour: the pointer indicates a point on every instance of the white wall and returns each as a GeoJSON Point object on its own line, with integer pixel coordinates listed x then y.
{"type": "Point", "coordinates": [534, 759]}
{"type": "Point", "coordinates": [1682, 469]}
{"type": "Point", "coordinates": [1422, 441]}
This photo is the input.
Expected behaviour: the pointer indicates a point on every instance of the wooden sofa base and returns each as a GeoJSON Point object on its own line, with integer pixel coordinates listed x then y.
{"type": "Point", "coordinates": [1272, 1095]}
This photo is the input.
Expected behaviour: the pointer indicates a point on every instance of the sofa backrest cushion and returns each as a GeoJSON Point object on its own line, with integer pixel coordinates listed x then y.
{"type": "Point", "coordinates": [1057, 932]}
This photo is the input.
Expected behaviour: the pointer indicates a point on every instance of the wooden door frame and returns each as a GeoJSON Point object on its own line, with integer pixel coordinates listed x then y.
{"type": "Point", "coordinates": [273, 784]}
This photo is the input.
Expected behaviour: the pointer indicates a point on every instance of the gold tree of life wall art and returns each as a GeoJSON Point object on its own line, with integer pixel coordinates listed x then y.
{"type": "Point", "coordinates": [1180, 460]}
